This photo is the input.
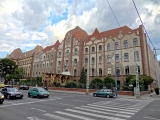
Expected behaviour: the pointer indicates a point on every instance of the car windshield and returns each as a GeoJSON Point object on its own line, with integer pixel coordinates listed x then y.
{"type": "Point", "coordinates": [12, 90]}
{"type": "Point", "coordinates": [41, 90]}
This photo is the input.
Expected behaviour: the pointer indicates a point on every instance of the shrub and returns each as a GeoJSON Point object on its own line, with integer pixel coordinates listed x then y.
{"type": "Point", "coordinates": [71, 84]}
{"type": "Point", "coordinates": [56, 84]}
{"type": "Point", "coordinates": [109, 82]}
{"type": "Point", "coordinates": [156, 89]}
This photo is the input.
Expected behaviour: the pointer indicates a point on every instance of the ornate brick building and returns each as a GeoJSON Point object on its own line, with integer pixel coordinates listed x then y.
{"type": "Point", "coordinates": [96, 52]}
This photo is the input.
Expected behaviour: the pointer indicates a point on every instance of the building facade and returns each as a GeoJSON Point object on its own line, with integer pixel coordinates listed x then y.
{"type": "Point", "coordinates": [98, 53]}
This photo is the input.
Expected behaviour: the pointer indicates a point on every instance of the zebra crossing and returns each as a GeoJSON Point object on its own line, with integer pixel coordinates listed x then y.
{"type": "Point", "coordinates": [117, 109]}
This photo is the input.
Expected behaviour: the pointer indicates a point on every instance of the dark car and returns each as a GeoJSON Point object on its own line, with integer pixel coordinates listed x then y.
{"type": "Point", "coordinates": [11, 93]}
{"type": "Point", "coordinates": [104, 93]}
{"type": "Point", "coordinates": [24, 87]}
{"type": "Point", "coordinates": [8, 86]}
{"type": "Point", "coordinates": [1, 98]}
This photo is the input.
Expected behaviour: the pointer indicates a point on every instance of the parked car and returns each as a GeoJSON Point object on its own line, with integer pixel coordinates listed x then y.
{"type": "Point", "coordinates": [38, 92]}
{"type": "Point", "coordinates": [104, 93]}
{"type": "Point", "coordinates": [2, 85]}
{"type": "Point", "coordinates": [24, 87]}
{"type": "Point", "coordinates": [11, 93]}
{"type": "Point", "coordinates": [1, 98]}
{"type": "Point", "coordinates": [8, 86]}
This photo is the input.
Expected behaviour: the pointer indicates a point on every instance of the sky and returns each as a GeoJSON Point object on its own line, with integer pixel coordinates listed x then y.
{"type": "Point", "coordinates": [27, 23]}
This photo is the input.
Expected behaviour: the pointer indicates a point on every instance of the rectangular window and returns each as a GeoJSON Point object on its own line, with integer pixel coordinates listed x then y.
{"type": "Point", "coordinates": [86, 50]}
{"type": "Point", "coordinates": [135, 42]}
{"type": "Point", "coordinates": [59, 62]}
{"type": "Point", "coordinates": [86, 60]}
{"type": "Point", "coordinates": [126, 58]}
{"type": "Point", "coordinates": [100, 71]}
{"type": "Point", "coordinates": [108, 46]}
{"type": "Point", "coordinates": [125, 44]}
{"type": "Point", "coordinates": [59, 54]}
{"type": "Point", "coordinates": [92, 72]}
{"type": "Point", "coordinates": [75, 61]}
{"type": "Point", "coordinates": [136, 55]}
{"type": "Point", "coordinates": [100, 48]}
{"type": "Point", "coordinates": [127, 70]}
{"type": "Point", "coordinates": [108, 58]}
{"type": "Point", "coordinates": [116, 45]}
{"type": "Point", "coordinates": [117, 71]}
{"type": "Point", "coordinates": [100, 59]}
{"type": "Point", "coordinates": [117, 57]}
{"type": "Point", "coordinates": [93, 49]}
{"type": "Point", "coordinates": [93, 61]}
{"type": "Point", "coordinates": [66, 62]}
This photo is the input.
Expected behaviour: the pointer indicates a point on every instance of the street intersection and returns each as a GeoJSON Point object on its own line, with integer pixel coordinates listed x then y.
{"type": "Point", "coordinates": [69, 106]}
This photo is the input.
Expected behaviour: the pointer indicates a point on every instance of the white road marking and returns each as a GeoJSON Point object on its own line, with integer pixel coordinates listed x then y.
{"type": "Point", "coordinates": [151, 118]}
{"type": "Point", "coordinates": [153, 110]}
{"type": "Point", "coordinates": [34, 118]}
{"type": "Point", "coordinates": [102, 112]}
{"type": "Point", "coordinates": [73, 115]}
{"type": "Point", "coordinates": [109, 110]}
{"type": "Point", "coordinates": [80, 100]}
{"type": "Point", "coordinates": [27, 102]}
{"type": "Point", "coordinates": [114, 108]}
{"type": "Point", "coordinates": [55, 117]}
{"type": "Point", "coordinates": [66, 104]}
{"type": "Point", "coordinates": [38, 109]}
{"type": "Point", "coordinates": [95, 115]}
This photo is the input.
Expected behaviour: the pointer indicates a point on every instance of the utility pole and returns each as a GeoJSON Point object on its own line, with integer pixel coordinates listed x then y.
{"type": "Point", "coordinates": [87, 82]}
{"type": "Point", "coordinates": [156, 66]}
{"type": "Point", "coordinates": [137, 76]}
{"type": "Point", "coordinates": [115, 69]}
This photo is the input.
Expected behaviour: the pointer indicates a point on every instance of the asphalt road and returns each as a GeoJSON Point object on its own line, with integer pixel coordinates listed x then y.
{"type": "Point", "coordinates": [67, 106]}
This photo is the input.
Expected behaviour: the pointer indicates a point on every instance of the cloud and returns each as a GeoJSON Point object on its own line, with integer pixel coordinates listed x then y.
{"type": "Point", "coordinates": [26, 23]}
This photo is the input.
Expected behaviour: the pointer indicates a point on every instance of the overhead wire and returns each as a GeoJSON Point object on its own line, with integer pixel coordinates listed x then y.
{"type": "Point", "coordinates": [142, 23]}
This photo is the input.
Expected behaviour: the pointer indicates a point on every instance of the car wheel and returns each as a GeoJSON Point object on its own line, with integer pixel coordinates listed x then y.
{"type": "Point", "coordinates": [29, 95]}
{"type": "Point", "coordinates": [21, 97]}
{"type": "Point", "coordinates": [38, 96]}
{"type": "Point", "coordinates": [8, 97]}
{"type": "Point", "coordinates": [95, 95]}
{"type": "Point", "coordinates": [108, 96]}
{"type": "Point", "coordinates": [1, 102]}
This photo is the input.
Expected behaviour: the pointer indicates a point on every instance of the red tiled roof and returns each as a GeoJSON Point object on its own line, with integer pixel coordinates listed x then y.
{"type": "Point", "coordinates": [15, 54]}
{"type": "Point", "coordinates": [30, 52]}
{"type": "Point", "coordinates": [78, 33]}
{"type": "Point", "coordinates": [110, 33]}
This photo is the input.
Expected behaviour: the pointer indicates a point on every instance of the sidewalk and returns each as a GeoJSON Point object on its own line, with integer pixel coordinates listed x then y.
{"type": "Point", "coordinates": [145, 97]}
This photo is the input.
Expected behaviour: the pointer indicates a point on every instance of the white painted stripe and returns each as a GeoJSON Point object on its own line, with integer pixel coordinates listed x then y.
{"type": "Point", "coordinates": [38, 109]}
{"type": "Point", "coordinates": [55, 117]}
{"type": "Point", "coordinates": [101, 112]}
{"type": "Point", "coordinates": [34, 118]}
{"type": "Point", "coordinates": [115, 108]}
{"type": "Point", "coordinates": [109, 110]}
{"type": "Point", "coordinates": [66, 104]}
{"type": "Point", "coordinates": [133, 99]}
{"type": "Point", "coordinates": [95, 115]}
{"type": "Point", "coordinates": [80, 100]}
{"type": "Point", "coordinates": [27, 103]}
{"type": "Point", "coordinates": [73, 115]}
{"type": "Point", "coordinates": [151, 118]}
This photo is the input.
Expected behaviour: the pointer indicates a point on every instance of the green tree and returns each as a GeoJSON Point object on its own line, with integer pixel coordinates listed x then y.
{"type": "Point", "coordinates": [96, 83]}
{"type": "Point", "coordinates": [19, 72]}
{"type": "Point", "coordinates": [7, 66]}
{"type": "Point", "coordinates": [83, 77]}
{"type": "Point", "coordinates": [109, 82]}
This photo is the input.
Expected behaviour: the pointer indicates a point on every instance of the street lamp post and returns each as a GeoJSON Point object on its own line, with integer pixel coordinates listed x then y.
{"type": "Point", "coordinates": [137, 77]}
{"type": "Point", "coordinates": [115, 68]}
{"type": "Point", "coordinates": [87, 82]}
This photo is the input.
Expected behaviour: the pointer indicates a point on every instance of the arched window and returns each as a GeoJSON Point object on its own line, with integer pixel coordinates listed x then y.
{"type": "Point", "coordinates": [125, 42]}
{"type": "Point", "coordinates": [135, 42]}
{"type": "Point", "coordinates": [93, 49]}
{"type": "Point", "coordinates": [109, 71]}
{"type": "Point", "coordinates": [100, 48]}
